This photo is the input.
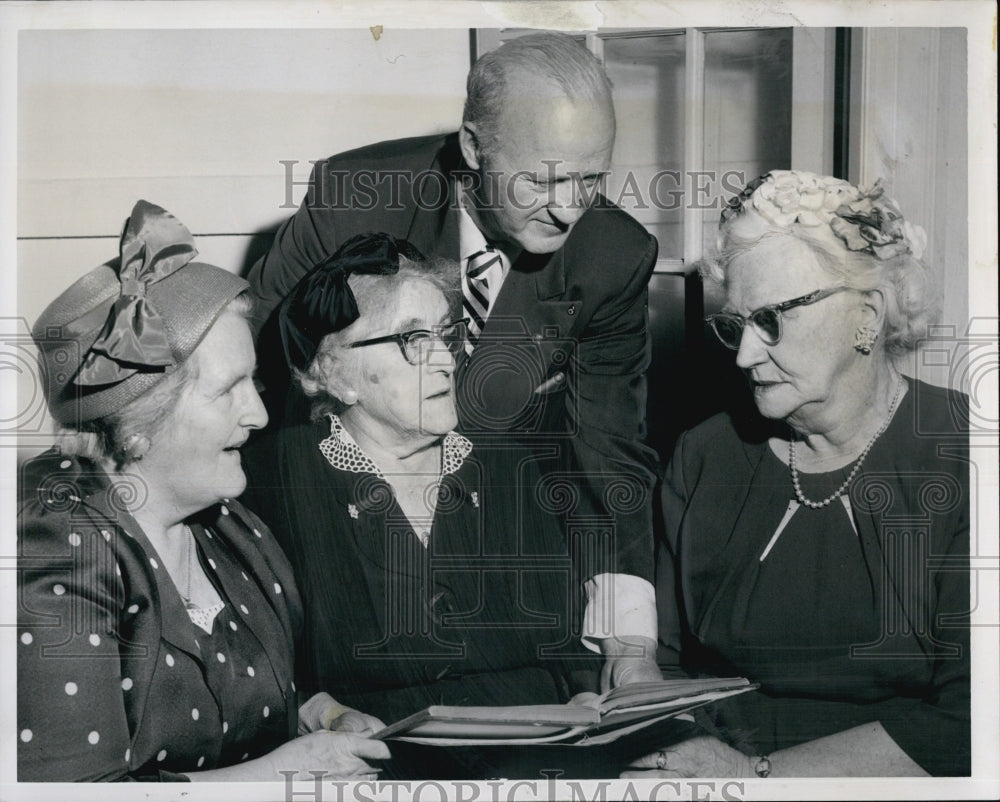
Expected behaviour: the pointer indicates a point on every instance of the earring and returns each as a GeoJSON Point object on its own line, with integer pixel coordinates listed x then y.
{"type": "Point", "coordinates": [864, 339]}
{"type": "Point", "coordinates": [135, 447]}
{"type": "Point", "coordinates": [350, 397]}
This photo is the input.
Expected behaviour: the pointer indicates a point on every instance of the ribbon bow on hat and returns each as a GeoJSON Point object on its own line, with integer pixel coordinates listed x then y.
{"type": "Point", "coordinates": [153, 245]}
{"type": "Point", "coordinates": [322, 302]}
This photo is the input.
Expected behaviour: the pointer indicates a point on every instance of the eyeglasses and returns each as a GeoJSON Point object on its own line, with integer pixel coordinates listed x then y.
{"type": "Point", "coordinates": [415, 345]}
{"type": "Point", "coordinates": [728, 326]}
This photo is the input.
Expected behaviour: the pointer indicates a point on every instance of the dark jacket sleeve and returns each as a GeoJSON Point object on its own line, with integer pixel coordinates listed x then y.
{"type": "Point", "coordinates": [71, 718]}
{"type": "Point", "coordinates": [299, 244]}
{"type": "Point", "coordinates": [674, 503]}
{"type": "Point", "coordinates": [606, 406]}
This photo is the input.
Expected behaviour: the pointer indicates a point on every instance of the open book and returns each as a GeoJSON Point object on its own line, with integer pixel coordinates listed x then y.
{"type": "Point", "coordinates": [599, 720]}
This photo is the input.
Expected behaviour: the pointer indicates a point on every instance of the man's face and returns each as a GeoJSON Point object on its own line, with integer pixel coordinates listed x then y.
{"type": "Point", "coordinates": [544, 170]}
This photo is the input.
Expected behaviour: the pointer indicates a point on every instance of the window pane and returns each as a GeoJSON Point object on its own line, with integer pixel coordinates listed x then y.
{"type": "Point", "coordinates": [748, 111]}
{"type": "Point", "coordinates": [648, 77]}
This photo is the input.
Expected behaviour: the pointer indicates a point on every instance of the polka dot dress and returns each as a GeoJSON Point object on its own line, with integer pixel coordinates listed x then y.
{"type": "Point", "coordinates": [129, 687]}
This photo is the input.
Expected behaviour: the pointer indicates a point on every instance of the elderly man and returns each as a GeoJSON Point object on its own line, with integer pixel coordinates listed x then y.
{"type": "Point", "coordinates": [554, 282]}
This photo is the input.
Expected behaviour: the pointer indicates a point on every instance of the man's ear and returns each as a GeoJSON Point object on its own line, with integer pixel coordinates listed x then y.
{"type": "Point", "coordinates": [468, 143]}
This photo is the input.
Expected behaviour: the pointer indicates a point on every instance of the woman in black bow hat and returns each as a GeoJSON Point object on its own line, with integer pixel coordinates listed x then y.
{"type": "Point", "coordinates": [157, 615]}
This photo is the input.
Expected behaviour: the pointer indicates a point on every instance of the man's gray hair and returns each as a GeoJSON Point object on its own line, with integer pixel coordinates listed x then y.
{"type": "Point", "coordinates": [548, 55]}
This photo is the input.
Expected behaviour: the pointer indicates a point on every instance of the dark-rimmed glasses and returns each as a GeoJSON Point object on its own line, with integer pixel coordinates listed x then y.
{"type": "Point", "coordinates": [728, 326]}
{"type": "Point", "coordinates": [415, 345]}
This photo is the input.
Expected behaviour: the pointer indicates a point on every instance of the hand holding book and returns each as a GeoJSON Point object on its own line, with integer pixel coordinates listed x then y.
{"type": "Point", "coordinates": [584, 722]}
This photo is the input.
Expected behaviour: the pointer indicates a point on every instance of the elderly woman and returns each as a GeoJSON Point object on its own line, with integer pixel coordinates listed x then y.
{"type": "Point", "coordinates": [821, 549]}
{"type": "Point", "coordinates": [430, 574]}
{"type": "Point", "coordinates": [157, 615]}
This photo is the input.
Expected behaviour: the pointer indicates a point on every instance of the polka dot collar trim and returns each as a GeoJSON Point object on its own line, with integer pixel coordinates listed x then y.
{"type": "Point", "coordinates": [343, 453]}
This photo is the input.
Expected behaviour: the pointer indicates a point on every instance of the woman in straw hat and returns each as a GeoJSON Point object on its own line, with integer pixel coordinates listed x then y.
{"type": "Point", "coordinates": [157, 615]}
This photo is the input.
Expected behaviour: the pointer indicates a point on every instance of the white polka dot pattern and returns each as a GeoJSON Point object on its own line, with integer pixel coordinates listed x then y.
{"type": "Point", "coordinates": [83, 724]}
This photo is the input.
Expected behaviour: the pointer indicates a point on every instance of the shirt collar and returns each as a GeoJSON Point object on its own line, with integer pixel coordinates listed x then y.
{"type": "Point", "coordinates": [343, 452]}
{"type": "Point", "coordinates": [471, 240]}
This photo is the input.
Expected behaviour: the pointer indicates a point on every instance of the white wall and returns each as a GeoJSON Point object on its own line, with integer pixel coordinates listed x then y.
{"type": "Point", "coordinates": [198, 121]}
{"type": "Point", "coordinates": [909, 126]}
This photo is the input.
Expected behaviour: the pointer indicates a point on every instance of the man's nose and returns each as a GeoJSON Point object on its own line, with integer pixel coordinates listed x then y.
{"type": "Point", "coordinates": [567, 204]}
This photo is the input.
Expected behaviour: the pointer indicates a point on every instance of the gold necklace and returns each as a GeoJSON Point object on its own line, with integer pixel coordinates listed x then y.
{"type": "Point", "coordinates": [815, 505]}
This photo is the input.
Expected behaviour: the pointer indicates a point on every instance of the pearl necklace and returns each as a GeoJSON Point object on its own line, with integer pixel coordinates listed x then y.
{"type": "Point", "coordinates": [815, 505]}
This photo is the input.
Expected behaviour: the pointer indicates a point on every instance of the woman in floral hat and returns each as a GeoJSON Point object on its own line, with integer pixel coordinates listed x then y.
{"type": "Point", "coordinates": [820, 547]}
{"type": "Point", "coordinates": [157, 615]}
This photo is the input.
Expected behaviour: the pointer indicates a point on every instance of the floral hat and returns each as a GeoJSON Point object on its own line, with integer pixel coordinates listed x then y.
{"type": "Point", "coordinates": [863, 219]}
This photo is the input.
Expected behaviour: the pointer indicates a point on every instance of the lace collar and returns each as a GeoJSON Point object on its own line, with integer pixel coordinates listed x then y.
{"type": "Point", "coordinates": [343, 452]}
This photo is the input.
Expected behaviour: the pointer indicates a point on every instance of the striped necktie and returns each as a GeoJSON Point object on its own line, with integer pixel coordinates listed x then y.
{"type": "Point", "coordinates": [476, 292]}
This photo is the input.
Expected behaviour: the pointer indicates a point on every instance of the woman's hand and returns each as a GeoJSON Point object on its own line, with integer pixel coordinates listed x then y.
{"type": "Point", "coordinates": [698, 757]}
{"type": "Point", "coordinates": [323, 712]}
{"type": "Point", "coordinates": [340, 755]}
{"type": "Point", "coordinates": [357, 722]}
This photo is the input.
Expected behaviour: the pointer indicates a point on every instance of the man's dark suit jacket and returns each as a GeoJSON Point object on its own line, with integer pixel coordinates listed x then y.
{"type": "Point", "coordinates": [563, 355]}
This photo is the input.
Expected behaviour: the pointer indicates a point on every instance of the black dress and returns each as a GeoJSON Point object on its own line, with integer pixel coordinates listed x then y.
{"type": "Point", "coordinates": [487, 613]}
{"type": "Point", "coordinates": [851, 614]}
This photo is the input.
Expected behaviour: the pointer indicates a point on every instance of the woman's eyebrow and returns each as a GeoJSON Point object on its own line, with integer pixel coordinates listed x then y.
{"type": "Point", "coordinates": [412, 323]}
